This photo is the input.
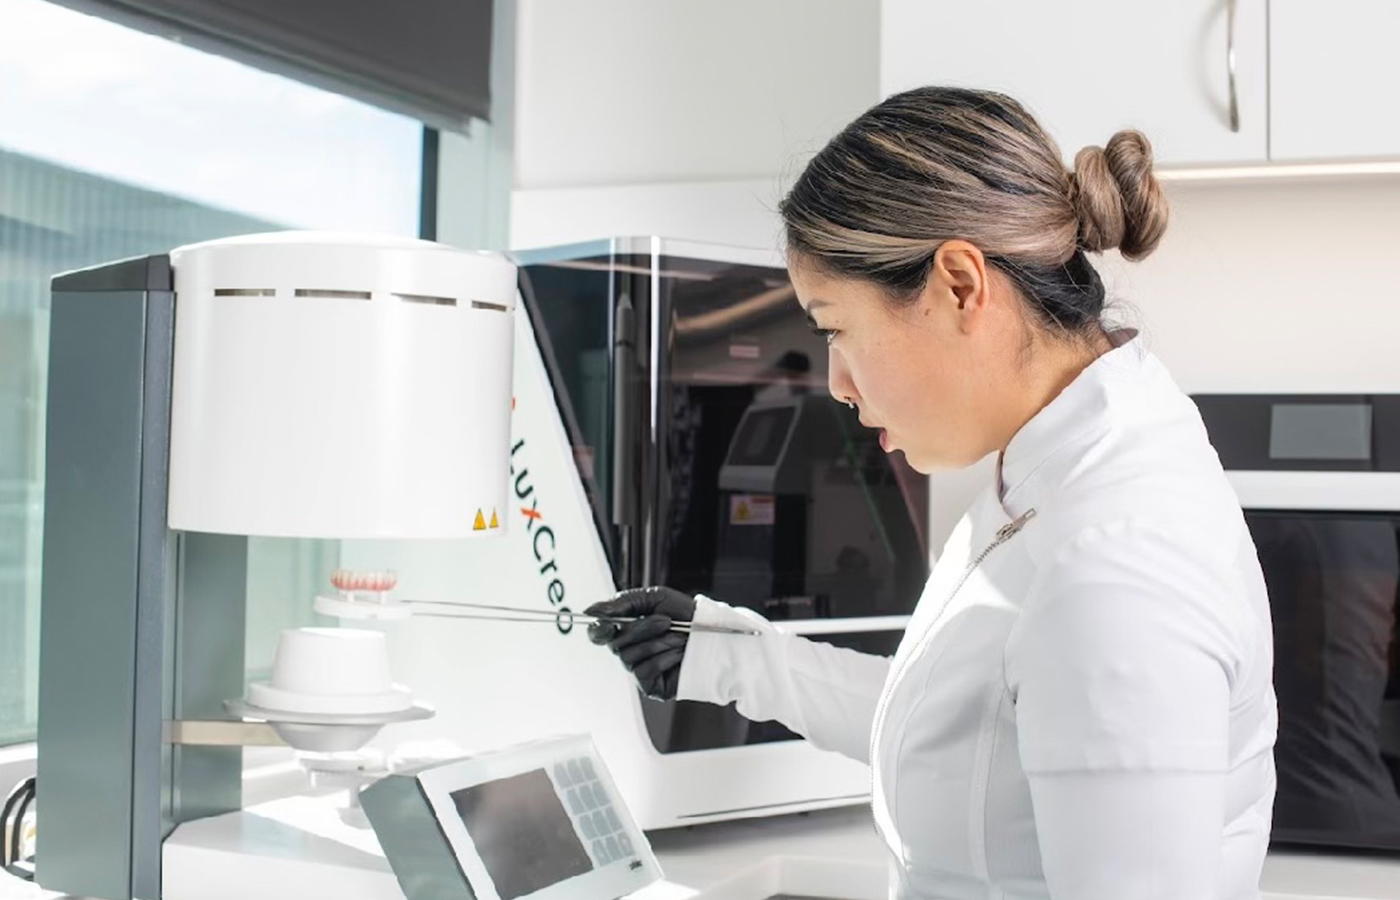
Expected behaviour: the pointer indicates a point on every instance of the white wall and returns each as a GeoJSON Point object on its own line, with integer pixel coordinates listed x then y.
{"type": "Point", "coordinates": [642, 91]}
{"type": "Point", "coordinates": [742, 213]}
{"type": "Point", "coordinates": [679, 118]}
{"type": "Point", "coordinates": [1275, 286]}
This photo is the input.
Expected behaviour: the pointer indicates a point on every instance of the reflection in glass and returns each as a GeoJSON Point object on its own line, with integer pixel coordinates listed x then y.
{"type": "Point", "coordinates": [1333, 582]}
{"type": "Point", "coordinates": [695, 394]}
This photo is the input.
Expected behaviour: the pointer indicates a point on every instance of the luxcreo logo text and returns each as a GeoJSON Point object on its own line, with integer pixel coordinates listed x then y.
{"type": "Point", "coordinates": [542, 542]}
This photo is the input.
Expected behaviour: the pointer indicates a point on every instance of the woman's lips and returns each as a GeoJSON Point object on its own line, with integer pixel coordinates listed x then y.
{"type": "Point", "coordinates": [884, 435]}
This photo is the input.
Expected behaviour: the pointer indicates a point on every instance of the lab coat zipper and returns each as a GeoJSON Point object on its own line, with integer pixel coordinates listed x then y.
{"type": "Point", "coordinates": [1004, 534]}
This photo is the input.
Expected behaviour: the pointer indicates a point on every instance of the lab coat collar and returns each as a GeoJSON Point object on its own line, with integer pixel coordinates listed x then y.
{"type": "Point", "coordinates": [1080, 410]}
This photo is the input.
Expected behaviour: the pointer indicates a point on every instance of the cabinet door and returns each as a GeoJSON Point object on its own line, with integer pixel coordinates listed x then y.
{"type": "Point", "coordinates": [1087, 68]}
{"type": "Point", "coordinates": [1334, 79]}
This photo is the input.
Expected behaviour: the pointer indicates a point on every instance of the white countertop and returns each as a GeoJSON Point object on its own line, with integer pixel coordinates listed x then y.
{"type": "Point", "coordinates": [838, 849]}
{"type": "Point", "coordinates": [709, 855]}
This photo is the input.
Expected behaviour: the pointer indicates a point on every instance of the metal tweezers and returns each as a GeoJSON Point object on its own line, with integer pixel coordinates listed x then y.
{"type": "Point", "coordinates": [538, 616]}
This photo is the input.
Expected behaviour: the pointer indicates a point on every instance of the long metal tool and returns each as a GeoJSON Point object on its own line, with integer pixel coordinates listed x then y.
{"type": "Point", "coordinates": [494, 613]}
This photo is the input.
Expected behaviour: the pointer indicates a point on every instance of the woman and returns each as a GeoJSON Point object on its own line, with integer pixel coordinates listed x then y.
{"type": "Point", "coordinates": [1081, 706]}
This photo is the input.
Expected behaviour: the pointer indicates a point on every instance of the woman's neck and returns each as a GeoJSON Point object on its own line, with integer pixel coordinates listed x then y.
{"type": "Point", "coordinates": [1054, 366]}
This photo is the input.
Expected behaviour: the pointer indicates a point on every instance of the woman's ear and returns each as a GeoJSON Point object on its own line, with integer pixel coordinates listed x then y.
{"type": "Point", "coordinates": [959, 274]}
{"type": "Point", "coordinates": [958, 283]}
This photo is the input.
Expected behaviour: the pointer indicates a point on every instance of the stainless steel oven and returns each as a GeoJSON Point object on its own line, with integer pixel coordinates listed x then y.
{"type": "Point", "coordinates": [1319, 479]}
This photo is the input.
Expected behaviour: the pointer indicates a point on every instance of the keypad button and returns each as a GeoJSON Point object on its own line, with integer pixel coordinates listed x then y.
{"type": "Point", "coordinates": [586, 764]}
{"type": "Point", "coordinates": [595, 797]}
{"type": "Point", "coordinates": [590, 830]}
{"type": "Point", "coordinates": [613, 849]}
{"type": "Point", "coordinates": [575, 802]}
{"type": "Point", "coordinates": [625, 843]}
{"type": "Point", "coordinates": [561, 776]}
{"type": "Point", "coordinates": [614, 824]}
{"type": "Point", "coordinates": [575, 772]}
{"type": "Point", "coordinates": [600, 824]}
{"type": "Point", "coordinates": [600, 853]}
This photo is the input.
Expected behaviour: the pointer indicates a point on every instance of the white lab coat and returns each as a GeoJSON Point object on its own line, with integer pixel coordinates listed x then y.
{"type": "Point", "coordinates": [1091, 715]}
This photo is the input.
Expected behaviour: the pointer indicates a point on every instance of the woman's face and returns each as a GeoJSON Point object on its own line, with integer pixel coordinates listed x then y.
{"type": "Point", "coordinates": [923, 373]}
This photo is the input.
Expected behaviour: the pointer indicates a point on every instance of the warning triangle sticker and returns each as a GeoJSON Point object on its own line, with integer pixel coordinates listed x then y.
{"type": "Point", "coordinates": [495, 523]}
{"type": "Point", "coordinates": [480, 522]}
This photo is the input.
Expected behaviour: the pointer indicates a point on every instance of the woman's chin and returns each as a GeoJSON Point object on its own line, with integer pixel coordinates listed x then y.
{"type": "Point", "coordinates": [926, 463]}
{"type": "Point", "coordinates": [918, 462]}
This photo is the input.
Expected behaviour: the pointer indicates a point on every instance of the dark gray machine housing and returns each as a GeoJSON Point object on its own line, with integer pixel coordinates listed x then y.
{"type": "Point", "coordinates": [117, 583]}
{"type": "Point", "coordinates": [419, 853]}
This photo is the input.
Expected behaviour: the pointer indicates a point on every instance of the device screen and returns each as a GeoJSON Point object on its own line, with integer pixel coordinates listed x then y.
{"type": "Point", "coordinates": [762, 437]}
{"type": "Point", "coordinates": [1327, 431]}
{"type": "Point", "coordinates": [522, 833]}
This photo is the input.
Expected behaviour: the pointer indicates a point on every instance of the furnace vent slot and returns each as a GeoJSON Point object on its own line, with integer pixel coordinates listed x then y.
{"type": "Point", "coordinates": [332, 295]}
{"type": "Point", "coordinates": [244, 292]}
{"type": "Point", "coordinates": [426, 300]}
{"type": "Point", "coordinates": [495, 307]}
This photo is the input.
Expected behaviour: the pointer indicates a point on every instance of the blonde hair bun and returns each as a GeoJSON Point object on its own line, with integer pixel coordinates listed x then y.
{"type": "Point", "coordinates": [1117, 198]}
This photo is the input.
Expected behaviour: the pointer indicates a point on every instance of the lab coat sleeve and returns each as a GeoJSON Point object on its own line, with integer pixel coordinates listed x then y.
{"type": "Point", "coordinates": [1121, 667]}
{"type": "Point", "coordinates": [826, 694]}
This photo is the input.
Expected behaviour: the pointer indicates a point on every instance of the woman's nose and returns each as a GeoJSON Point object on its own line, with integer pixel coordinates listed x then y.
{"type": "Point", "coordinates": [838, 379]}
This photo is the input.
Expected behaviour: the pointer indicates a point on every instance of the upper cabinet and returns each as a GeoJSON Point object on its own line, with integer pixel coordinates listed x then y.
{"type": "Point", "coordinates": [1087, 68]}
{"type": "Point", "coordinates": [1335, 79]}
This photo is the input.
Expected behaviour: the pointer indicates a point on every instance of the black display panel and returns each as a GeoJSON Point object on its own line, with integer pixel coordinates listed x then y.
{"type": "Point", "coordinates": [1304, 432]}
{"type": "Point", "coordinates": [1333, 580]}
{"type": "Point", "coordinates": [522, 833]}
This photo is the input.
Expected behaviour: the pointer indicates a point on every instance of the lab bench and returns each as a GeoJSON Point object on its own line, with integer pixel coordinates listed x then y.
{"type": "Point", "coordinates": [836, 854]}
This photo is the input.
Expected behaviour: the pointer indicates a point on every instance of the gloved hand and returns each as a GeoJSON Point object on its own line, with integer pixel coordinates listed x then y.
{"type": "Point", "coordinates": [647, 647]}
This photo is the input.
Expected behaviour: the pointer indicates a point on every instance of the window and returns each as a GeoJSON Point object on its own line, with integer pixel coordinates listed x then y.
{"type": "Point", "coordinates": [115, 143]}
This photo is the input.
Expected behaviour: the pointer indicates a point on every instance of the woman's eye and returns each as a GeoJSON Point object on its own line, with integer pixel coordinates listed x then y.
{"type": "Point", "coordinates": [827, 333]}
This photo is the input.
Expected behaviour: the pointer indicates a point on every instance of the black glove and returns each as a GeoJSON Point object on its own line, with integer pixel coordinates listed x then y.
{"type": "Point", "coordinates": [647, 647]}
